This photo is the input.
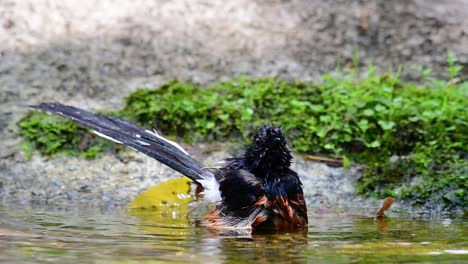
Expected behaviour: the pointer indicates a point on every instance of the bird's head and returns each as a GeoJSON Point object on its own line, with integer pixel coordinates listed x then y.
{"type": "Point", "coordinates": [268, 151]}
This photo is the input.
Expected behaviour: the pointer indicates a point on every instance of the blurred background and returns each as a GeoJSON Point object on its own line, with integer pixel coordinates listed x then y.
{"type": "Point", "coordinates": [105, 49]}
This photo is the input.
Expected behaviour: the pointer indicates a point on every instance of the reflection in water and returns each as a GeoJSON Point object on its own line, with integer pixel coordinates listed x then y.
{"type": "Point", "coordinates": [118, 235]}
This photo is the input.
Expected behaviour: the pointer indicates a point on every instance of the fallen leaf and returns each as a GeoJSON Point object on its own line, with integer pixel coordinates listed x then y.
{"type": "Point", "coordinates": [174, 192]}
{"type": "Point", "coordinates": [387, 202]}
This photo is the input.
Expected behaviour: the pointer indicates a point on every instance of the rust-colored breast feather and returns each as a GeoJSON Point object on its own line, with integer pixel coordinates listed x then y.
{"type": "Point", "coordinates": [290, 213]}
{"type": "Point", "coordinates": [213, 219]}
{"type": "Point", "coordinates": [280, 213]}
{"type": "Point", "coordinates": [219, 220]}
{"type": "Point", "coordinates": [261, 218]}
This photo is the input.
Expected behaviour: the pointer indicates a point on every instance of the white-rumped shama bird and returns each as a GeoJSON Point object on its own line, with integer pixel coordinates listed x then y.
{"type": "Point", "coordinates": [257, 190]}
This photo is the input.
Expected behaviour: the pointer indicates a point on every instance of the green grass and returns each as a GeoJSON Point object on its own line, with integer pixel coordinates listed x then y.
{"type": "Point", "coordinates": [413, 137]}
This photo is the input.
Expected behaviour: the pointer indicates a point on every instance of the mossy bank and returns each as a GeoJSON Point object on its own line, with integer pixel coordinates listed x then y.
{"type": "Point", "coordinates": [412, 138]}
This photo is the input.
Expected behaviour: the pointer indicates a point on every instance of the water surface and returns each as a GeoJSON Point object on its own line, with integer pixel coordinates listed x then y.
{"type": "Point", "coordinates": [84, 235]}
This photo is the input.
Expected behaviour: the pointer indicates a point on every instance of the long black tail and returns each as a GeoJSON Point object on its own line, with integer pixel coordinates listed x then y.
{"type": "Point", "coordinates": [141, 139]}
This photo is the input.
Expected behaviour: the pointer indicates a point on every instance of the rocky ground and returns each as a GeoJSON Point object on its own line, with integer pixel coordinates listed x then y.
{"type": "Point", "coordinates": [92, 53]}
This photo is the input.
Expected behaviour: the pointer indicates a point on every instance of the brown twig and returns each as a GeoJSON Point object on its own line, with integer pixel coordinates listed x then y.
{"type": "Point", "coordinates": [330, 161]}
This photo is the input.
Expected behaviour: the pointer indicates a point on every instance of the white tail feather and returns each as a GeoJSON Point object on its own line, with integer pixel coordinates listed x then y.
{"type": "Point", "coordinates": [168, 141]}
{"type": "Point", "coordinates": [106, 137]}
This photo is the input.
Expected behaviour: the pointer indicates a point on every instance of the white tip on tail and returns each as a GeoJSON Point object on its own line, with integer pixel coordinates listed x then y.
{"type": "Point", "coordinates": [211, 189]}
{"type": "Point", "coordinates": [168, 141]}
{"type": "Point", "coordinates": [106, 137]}
{"type": "Point", "coordinates": [142, 143]}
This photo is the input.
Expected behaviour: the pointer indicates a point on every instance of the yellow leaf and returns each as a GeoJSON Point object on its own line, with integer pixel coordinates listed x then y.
{"type": "Point", "coordinates": [171, 193]}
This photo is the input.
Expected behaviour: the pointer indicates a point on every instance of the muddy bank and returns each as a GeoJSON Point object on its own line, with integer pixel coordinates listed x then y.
{"type": "Point", "coordinates": [93, 54]}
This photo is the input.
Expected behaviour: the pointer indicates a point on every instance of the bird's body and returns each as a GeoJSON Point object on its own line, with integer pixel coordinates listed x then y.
{"type": "Point", "coordinates": [257, 190]}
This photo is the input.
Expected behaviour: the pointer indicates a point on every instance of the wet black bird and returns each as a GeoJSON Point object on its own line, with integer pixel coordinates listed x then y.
{"type": "Point", "coordinates": [257, 190]}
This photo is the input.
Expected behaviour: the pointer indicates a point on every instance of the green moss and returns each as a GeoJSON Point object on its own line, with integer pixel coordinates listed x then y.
{"type": "Point", "coordinates": [51, 134]}
{"type": "Point", "coordinates": [367, 119]}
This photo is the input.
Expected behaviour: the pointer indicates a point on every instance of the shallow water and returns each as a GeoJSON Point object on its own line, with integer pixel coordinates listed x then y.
{"type": "Point", "coordinates": [84, 235]}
